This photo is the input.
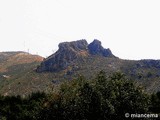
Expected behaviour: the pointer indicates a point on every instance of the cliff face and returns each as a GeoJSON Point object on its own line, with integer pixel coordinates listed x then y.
{"type": "Point", "coordinates": [95, 48]}
{"type": "Point", "coordinates": [69, 52]}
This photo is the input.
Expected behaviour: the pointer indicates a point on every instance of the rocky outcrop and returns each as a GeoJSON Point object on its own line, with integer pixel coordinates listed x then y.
{"type": "Point", "coordinates": [75, 45]}
{"type": "Point", "coordinates": [95, 48]}
{"type": "Point", "coordinates": [69, 52]}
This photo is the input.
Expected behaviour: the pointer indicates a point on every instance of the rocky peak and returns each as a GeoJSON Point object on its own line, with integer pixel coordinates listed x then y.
{"type": "Point", "coordinates": [95, 48]}
{"type": "Point", "coordinates": [67, 52]}
{"type": "Point", "coordinates": [70, 52]}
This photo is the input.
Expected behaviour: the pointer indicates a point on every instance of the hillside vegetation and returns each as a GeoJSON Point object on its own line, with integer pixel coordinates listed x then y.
{"type": "Point", "coordinates": [104, 98]}
{"type": "Point", "coordinates": [18, 76]}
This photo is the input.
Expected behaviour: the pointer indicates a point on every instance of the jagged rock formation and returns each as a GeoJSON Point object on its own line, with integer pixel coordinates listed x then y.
{"type": "Point", "coordinates": [95, 48]}
{"type": "Point", "coordinates": [71, 51]}
{"type": "Point", "coordinates": [68, 51]}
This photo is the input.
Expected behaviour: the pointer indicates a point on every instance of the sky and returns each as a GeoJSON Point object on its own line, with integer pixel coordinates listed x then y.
{"type": "Point", "coordinates": [130, 28]}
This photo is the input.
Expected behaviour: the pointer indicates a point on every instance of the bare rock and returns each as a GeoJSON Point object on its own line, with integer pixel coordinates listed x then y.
{"type": "Point", "coordinates": [95, 48]}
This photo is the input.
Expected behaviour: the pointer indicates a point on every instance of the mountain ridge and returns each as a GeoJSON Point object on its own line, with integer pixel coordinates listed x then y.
{"type": "Point", "coordinates": [69, 62]}
{"type": "Point", "coordinates": [22, 73]}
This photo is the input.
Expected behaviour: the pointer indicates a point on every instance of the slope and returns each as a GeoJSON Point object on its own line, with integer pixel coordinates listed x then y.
{"type": "Point", "coordinates": [22, 73]}
{"type": "Point", "coordinates": [17, 73]}
{"type": "Point", "coordinates": [80, 58]}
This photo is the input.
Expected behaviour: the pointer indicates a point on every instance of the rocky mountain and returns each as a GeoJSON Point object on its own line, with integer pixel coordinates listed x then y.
{"type": "Point", "coordinates": [80, 58]}
{"type": "Point", "coordinates": [70, 52]}
{"type": "Point", "coordinates": [23, 73]}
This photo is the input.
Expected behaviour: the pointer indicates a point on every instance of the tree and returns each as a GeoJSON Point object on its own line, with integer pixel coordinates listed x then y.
{"type": "Point", "coordinates": [155, 103]}
{"type": "Point", "coordinates": [120, 96]}
{"type": "Point", "coordinates": [105, 97]}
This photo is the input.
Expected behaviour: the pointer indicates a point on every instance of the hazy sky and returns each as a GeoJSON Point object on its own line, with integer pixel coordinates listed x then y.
{"type": "Point", "coordinates": [130, 28]}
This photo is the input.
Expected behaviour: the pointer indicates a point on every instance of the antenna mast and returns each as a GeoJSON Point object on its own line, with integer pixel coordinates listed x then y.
{"type": "Point", "coordinates": [24, 46]}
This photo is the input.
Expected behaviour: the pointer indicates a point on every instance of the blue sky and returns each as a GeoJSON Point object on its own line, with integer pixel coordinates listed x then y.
{"type": "Point", "coordinates": [130, 28]}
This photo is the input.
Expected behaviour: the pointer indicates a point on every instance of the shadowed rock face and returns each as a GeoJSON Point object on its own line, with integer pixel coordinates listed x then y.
{"type": "Point", "coordinates": [95, 48]}
{"type": "Point", "coordinates": [72, 51]}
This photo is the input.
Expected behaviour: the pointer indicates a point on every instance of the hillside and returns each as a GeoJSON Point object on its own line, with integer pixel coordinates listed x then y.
{"type": "Point", "coordinates": [23, 73]}
{"type": "Point", "coordinates": [17, 73]}
{"type": "Point", "coordinates": [80, 58]}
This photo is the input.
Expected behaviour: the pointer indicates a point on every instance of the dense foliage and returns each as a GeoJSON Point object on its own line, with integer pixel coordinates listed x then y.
{"type": "Point", "coordinates": [80, 99]}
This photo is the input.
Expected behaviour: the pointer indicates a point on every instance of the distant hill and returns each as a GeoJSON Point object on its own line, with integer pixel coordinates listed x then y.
{"type": "Point", "coordinates": [8, 59]}
{"type": "Point", "coordinates": [17, 73]}
{"type": "Point", "coordinates": [23, 73]}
